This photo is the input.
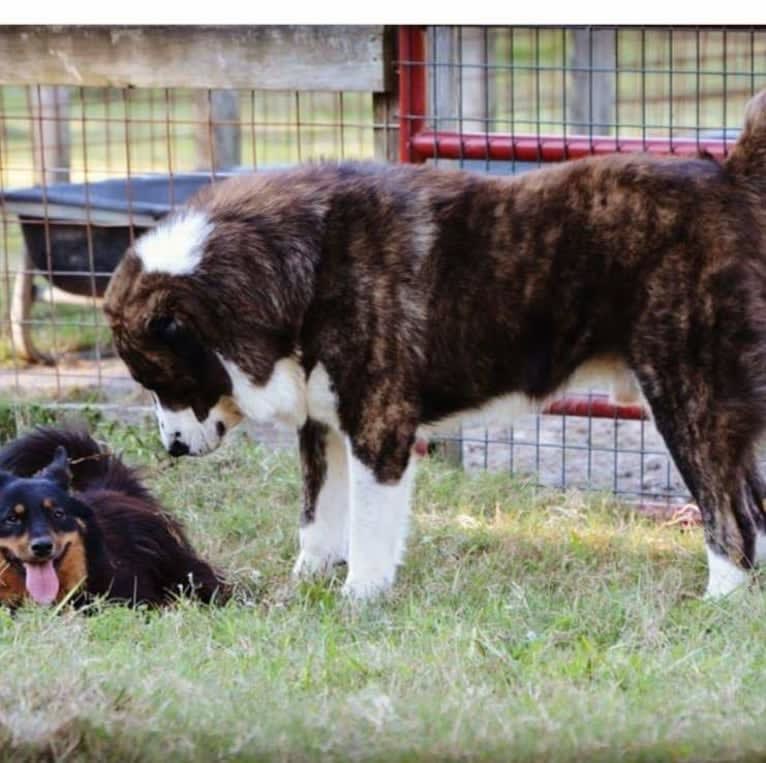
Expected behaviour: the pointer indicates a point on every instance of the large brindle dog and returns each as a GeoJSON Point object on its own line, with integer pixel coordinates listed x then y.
{"type": "Point", "coordinates": [362, 303]}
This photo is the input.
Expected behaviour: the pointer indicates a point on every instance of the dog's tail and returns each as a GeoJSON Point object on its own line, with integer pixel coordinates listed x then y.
{"type": "Point", "coordinates": [92, 467]}
{"type": "Point", "coordinates": [748, 157]}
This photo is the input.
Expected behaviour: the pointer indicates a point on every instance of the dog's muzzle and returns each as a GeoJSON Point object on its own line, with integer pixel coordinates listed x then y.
{"type": "Point", "coordinates": [183, 434]}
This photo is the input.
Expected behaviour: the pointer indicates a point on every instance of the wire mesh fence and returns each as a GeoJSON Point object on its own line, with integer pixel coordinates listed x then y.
{"type": "Point", "coordinates": [507, 100]}
{"type": "Point", "coordinates": [554, 93]}
{"type": "Point", "coordinates": [83, 170]}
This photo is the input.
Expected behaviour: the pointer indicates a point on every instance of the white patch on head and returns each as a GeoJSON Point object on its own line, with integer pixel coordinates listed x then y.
{"type": "Point", "coordinates": [324, 542]}
{"type": "Point", "coordinates": [723, 575]}
{"type": "Point", "coordinates": [282, 398]}
{"type": "Point", "coordinates": [175, 246]}
{"type": "Point", "coordinates": [377, 529]}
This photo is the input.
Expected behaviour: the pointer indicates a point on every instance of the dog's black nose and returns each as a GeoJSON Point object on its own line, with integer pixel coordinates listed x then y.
{"type": "Point", "coordinates": [42, 547]}
{"type": "Point", "coordinates": [178, 448]}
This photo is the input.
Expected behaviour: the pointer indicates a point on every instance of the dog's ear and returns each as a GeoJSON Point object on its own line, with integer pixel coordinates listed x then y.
{"type": "Point", "coordinates": [58, 470]}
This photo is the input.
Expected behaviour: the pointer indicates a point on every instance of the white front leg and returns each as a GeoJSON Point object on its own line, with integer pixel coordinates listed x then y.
{"type": "Point", "coordinates": [378, 529]}
{"type": "Point", "coordinates": [324, 540]}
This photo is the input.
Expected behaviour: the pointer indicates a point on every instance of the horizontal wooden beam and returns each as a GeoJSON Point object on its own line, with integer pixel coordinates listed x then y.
{"type": "Point", "coordinates": [330, 58]}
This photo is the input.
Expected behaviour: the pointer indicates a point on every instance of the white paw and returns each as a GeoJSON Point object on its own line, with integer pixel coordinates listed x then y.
{"type": "Point", "coordinates": [714, 593]}
{"type": "Point", "coordinates": [309, 565]}
{"type": "Point", "coordinates": [361, 589]}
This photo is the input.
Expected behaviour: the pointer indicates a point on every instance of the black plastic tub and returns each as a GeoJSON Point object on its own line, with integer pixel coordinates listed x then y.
{"type": "Point", "coordinates": [109, 212]}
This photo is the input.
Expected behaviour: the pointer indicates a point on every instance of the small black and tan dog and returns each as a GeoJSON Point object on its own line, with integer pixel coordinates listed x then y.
{"type": "Point", "coordinates": [75, 520]}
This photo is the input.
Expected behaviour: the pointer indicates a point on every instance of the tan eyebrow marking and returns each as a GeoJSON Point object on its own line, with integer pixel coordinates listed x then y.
{"type": "Point", "coordinates": [19, 509]}
{"type": "Point", "coordinates": [48, 503]}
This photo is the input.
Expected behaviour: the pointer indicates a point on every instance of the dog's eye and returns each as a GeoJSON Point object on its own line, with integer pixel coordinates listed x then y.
{"type": "Point", "coordinates": [58, 514]}
{"type": "Point", "coordinates": [12, 519]}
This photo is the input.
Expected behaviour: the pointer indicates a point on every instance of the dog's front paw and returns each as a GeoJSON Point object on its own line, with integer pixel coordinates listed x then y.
{"type": "Point", "coordinates": [310, 565]}
{"type": "Point", "coordinates": [362, 589]}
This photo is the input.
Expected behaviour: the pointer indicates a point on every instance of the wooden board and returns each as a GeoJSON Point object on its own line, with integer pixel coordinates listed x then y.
{"type": "Point", "coordinates": [330, 58]}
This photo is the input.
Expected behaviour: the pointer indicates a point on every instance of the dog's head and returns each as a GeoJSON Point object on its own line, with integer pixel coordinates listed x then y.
{"type": "Point", "coordinates": [164, 351]}
{"type": "Point", "coordinates": [42, 526]}
{"type": "Point", "coordinates": [202, 317]}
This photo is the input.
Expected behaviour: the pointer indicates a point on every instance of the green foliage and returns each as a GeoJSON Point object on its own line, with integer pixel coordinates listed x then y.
{"type": "Point", "coordinates": [15, 419]}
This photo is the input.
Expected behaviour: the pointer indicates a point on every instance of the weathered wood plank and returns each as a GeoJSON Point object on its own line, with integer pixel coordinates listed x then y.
{"type": "Point", "coordinates": [220, 57]}
{"type": "Point", "coordinates": [386, 130]}
{"type": "Point", "coordinates": [49, 109]}
{"type": "Point", "coordinates": [218, 135]}
{"type": "Point", "coordinates": [51, 140]}
{"type": "Point", "coordinates": [477, 79]}
{"type": "Point", "coordinates": [443, 78]}
{"type": "Point", "coordinates": [21, 309]}
{"type": "Point", "coordinates": [385, 105]}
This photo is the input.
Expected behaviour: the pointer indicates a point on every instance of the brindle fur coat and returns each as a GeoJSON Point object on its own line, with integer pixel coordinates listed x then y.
{"type": "Point", "coordinates": [404, 295]}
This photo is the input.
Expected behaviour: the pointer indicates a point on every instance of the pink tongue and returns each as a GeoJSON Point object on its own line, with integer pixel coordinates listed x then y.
{"type": "Point", "coordinates": [42, 582]}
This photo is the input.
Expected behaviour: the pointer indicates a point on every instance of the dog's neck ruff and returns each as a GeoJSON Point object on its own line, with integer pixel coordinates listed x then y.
{"type": "Point", "coordinates": [282, 398]}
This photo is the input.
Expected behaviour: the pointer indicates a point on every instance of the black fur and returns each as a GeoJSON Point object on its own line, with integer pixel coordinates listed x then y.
{"type": "Point", "coordinates": [135, 552]}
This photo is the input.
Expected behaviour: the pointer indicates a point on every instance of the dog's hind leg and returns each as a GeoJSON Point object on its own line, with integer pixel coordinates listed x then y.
{"type": "Point", "coordinates": [726, 570]}
{"type": "Point", "coordinates": [712, 445]}
{"type": "Point", "coordinates": [325, 515]}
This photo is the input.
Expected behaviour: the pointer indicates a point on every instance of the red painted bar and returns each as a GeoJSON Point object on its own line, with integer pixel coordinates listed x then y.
{"type": "Point", "coordinates": [597, 407]}
{"type": "Point", "coordinates": [412, 90]}
{"type": "Point", "coordinates": [550, 148]}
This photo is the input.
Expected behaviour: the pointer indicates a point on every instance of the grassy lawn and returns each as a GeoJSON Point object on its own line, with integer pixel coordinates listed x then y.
{"type": "Point", "coordinates": [525, 626]}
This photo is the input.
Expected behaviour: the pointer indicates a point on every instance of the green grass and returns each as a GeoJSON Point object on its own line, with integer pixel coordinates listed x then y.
{"type": "Point", "coordinates": [524, 626]}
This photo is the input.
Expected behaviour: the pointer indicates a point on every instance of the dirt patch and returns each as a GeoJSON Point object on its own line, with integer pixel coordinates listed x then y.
{"type": "Point", "coordinates": [72, 379]}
